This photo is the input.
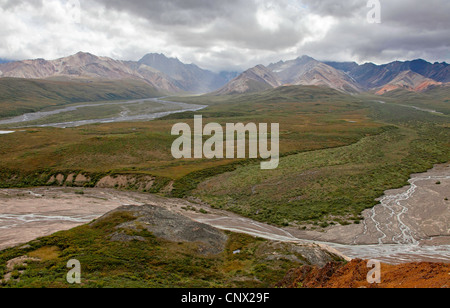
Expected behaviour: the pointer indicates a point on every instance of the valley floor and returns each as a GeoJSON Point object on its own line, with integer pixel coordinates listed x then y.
{"type": "Point", "coordinates": [409, 224]}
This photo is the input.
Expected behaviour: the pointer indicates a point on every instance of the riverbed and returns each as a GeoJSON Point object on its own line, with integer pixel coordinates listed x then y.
{"type": "Point", "coordinates": [409, 225]}
{"type": "Point", "coordinates": [168, 108]}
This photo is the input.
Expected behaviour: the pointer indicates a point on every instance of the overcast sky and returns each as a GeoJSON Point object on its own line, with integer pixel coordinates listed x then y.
{"type": "Point", "coordinates": [226, 34]}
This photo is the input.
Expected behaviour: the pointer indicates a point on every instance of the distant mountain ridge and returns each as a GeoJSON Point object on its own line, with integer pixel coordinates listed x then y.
{"type": "Point", "coordinates": [253, 80]}
{"type": "Point", "coordinates": [158, 71]}
{"type": "Point", "coordinates": [87, 67]}
{"type": "Point", "coordinates": [371, 75]}
{"type": "Point", "coordinates": [301, 71]}
{"type": "Point", "coordinates": [350, 77]}
{"type": "Point", "coordinates": [409, 80]}
{"type": "Point", "coordinates": [188, 77]}
{"type": "Point", "coordinates": [310, 72]}
{"type": "Point", "coordinates": [170, 75]}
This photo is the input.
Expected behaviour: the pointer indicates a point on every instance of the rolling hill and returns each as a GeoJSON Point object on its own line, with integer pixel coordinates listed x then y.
{"type": "Point", "coordinates": [155, 247]}
{"type": "Point", "coordinates": [18, 96]}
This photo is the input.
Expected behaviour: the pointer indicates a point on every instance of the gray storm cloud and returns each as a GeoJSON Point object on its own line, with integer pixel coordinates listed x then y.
{"type": "Point", "coordinates": [227, 35]}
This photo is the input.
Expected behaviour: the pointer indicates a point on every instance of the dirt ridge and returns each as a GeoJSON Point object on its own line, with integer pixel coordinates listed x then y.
{"type": "Point", "coordinates": [354, 275]}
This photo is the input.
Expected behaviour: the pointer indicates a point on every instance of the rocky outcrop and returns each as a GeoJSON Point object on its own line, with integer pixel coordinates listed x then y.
{"type": "Point", "coordinates": [11, 265]}
{"type": "Point", "coordinates": [142, 183]}
{"type": "Point", "coordinates": [174, 226]}
{"type": "Point", "coordinates": [169, 226]}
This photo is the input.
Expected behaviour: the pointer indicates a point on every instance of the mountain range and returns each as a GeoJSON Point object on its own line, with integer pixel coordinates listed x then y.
{"type": "Point", "coordinates": [170, 75]}
{"type": "Point", "coordinates": [160, 72]}
{"type": "Point", "coordinates": [349, 77]}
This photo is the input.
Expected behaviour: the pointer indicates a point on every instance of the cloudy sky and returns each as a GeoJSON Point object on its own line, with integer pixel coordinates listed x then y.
{"type": "Point", "coordinates": [226, 34]}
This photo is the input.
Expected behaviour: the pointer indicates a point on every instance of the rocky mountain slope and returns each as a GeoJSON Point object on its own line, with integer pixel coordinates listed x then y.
{"type": "Point", "coordinates": [408, 80]}
{"type": "Point", "coordinates": [371, 76]}
{"type": "Point", "coordinates": [188, 77]}
{"type": "Point", "coordinates": [310, 72]}
{"type": "Point", "coordinates": [253, 80]}
{"type": "Point", "coordinates": [348, 77]}
{"type": "Point", "coordinates": [87, 67]}
{"type": "Point", "coordinates": [158, 71]}
{"type": "Point", "coordinates": [301, 71]}
{"type": "Point", "coordinates": [172, 76]}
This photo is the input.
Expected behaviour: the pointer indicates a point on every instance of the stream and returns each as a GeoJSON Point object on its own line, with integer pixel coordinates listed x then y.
{"type": "Point", "coordinates": [416, 108]}
{"type": "Point", "coordinates": [122, 117]}
{"type": "Point", "coordinates": [410, 224]}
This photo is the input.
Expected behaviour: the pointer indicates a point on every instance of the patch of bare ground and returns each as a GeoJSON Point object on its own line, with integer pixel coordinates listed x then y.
{"type": "Point", "coordinates": [16, 267]}
{"type": "Point", "coordinates": [354, 275]}
{"type": "Point", "coordinates": [142, 183]}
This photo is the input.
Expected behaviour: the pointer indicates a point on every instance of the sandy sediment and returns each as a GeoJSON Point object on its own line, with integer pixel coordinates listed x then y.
{"type": "Point", "coordinates": [418, 214]}
{"type": "Point", "coordinates": [28, 214]}
{"type": "Point", "coordinates": [410, 224]}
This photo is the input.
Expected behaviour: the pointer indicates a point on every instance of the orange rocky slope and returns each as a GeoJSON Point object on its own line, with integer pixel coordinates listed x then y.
{"type": "Point", "coordinates": [354, 275]}
{"type": "Point", "coordinates": [410, 81]}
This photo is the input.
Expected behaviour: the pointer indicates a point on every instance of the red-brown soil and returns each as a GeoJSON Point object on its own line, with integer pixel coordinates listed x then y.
{"type": "Point", "coordinates": [354, 275]}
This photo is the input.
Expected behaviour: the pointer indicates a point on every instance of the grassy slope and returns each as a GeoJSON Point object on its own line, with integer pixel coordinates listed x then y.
{"type": "Point", "coordinates": [436, 99]}
{"type": "Point", "coordinates": [155, 263]}
{"type": "Point", "coordinates": [310, 119]}
{"type": "Point", "coordinates": [335, 186]}
{"type": "Point", "coordinates": [339, 169]}
{"type": "Point", "coordinates": [340, 153]}
{"type": "Point", "coordinates": [18, 96]}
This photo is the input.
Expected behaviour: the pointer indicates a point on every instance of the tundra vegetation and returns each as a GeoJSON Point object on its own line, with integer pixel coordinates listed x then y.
{"type": "Point", "coordinates": [338, 153]}
{"type": "Point", "coordinates": [138, 259]}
